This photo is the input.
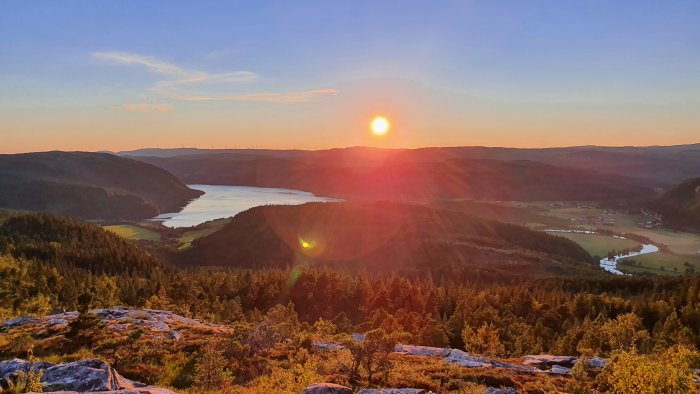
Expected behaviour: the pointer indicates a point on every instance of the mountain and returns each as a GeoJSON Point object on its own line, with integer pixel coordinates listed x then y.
{"type": "Point", "coordinates": [386, 236]}
{"type": "Point", "coordinates": [89, 185]}
{"type": "Point", "coordinates": [656, 166]}
{"type": "Point", "coordinates": [365, 173]}
{"type": "Point", "coordinates": [680, 206]}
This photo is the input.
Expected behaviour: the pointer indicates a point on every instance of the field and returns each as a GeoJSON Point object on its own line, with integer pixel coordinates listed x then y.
{"type": "Point", "coordinates": [204, 229]}
{"type": "Point", "coordinates": [599, 245]}
{"type": "Point", "coordinates": [678, 242]}
{"type": "Point", "coordinates": [682, 246]}
{"type": "Point", "coordinates": [133, 232]}
{"type": "Point", "coordinates": [662, 263]}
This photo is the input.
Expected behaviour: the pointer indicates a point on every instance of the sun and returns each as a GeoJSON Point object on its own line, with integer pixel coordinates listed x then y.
{"type": "Point", "coordinates": [380, 125]}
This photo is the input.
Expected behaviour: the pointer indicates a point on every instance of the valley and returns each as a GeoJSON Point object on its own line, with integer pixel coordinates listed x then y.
{"type": "Point", "coordinates": [349, 197]}
{"type": "Point", "coordinates": [268, 280]}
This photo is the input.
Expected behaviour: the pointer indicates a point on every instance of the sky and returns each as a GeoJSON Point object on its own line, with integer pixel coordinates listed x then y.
{"type": "Point", "coordinates": [120, 75]}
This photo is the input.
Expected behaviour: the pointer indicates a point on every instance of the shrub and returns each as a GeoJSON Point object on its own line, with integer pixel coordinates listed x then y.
{"type": "Point", "coordinates": [667, 372]}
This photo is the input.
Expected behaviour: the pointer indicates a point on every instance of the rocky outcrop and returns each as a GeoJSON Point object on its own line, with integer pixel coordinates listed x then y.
{"type": "Point", "coordinates": [332, 388]}
{"type": "Point", "coordinates": [493, 390]}
{"type": "Point", "coordinates": [144, 390]}
{"type": "Point", "coordinates": [153, 322]}
{"type": "Point", "coordinates": [394, 391]}
{"type": "Point", "coordinates": [555, 365]}
{"type": "Point", "coordinates": [546, 360]}
{"type": "Point", "coordinates": [327, 388]}
{"type": "Point", "coordinates": [559, 370]}
{"type": "Point", "coordinates": [596, 362]}
{"type": "Point", "coordinates": [85, 376]}
{"type": "Point", "coordinates": [424, 351]}
{"type": "Point", "coordinates": [461, 358]}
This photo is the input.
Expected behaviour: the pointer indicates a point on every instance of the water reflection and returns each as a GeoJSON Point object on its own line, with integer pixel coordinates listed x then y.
{"type": "Point", "coordinates": [226, 201]}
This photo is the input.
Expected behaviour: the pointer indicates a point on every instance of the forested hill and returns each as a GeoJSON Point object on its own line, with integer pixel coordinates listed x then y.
{"type": "Point", "coordinates": [88, 185]}
{"type": "Point", "coordinates": [55, 240]}
{"type": "Point", "coordinates": [387, 236]}
{"type": "Point", "coordinates": [680, 206]}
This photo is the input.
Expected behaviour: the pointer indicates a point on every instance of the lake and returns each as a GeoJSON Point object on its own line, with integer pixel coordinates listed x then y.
{"type": "Point", "coordinates": [225, 201]}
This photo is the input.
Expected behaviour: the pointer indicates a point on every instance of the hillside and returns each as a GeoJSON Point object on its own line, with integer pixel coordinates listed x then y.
{"type": "Point", "coordinates": [386, 236]}
{"type": "Point", "coordinates": [680, 206]}
{"type": "Point", "coordinates": [269, 327]}
{"type": "Point", "coordinates": [376, 174]}
{"type": "Point", "coordinates": [88, 185]}
{"type": "Point", "coordinates": [57, 240]}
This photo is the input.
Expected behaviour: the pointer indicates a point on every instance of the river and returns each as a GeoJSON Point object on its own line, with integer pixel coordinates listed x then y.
{"type": "Point", "coordinates": [610, 265]}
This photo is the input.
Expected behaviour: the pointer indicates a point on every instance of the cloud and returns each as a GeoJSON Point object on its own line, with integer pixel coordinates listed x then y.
{"type": "Point", "coordinates": [147, 107]}
{"type": "Point", "coordinates": [151, 63]}
{"type": "Point", "coordinates": [270, 97]}
{"type": "Point", "coordinates": [173, 88]}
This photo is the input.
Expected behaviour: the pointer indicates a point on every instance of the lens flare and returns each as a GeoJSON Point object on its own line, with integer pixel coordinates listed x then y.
{"type": "Point", "coordinates": [305, 244]}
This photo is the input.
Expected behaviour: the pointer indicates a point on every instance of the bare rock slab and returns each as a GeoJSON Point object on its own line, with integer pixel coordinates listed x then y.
{"type": "Point", "coordinates": [327, 388]}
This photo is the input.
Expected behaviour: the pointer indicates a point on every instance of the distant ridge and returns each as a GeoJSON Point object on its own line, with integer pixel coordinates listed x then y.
{"type": "Point", "coordinates": [172, 152]}
{"type": "Point", "coordinates": [630, 167]}
{"type": "Point", "coordinates": [367, 173]}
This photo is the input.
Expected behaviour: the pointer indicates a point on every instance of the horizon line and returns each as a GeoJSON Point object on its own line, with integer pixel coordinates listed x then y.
{"type": "Point", "coordinates": [226, 149]}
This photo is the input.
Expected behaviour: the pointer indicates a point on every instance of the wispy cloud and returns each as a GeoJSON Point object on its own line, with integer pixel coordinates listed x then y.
{"type": "Point", "coordinates": [147, 107]}
{"type": "Point", "coordinates": [151, 63]}
{"type": "Point", "coordinates": [180, 77]}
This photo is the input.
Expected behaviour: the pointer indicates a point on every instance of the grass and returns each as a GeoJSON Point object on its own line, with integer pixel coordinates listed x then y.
{"type": "Point", "coordinates": [202, 230]}
{"type": "Point", "coordinates": [133, 232]}
{"type": "Point", "coordinates": [662, 263]}
{"type": "Point", "coordinates": [599, 245]}
{"type": "Point", "coordinates": [678, 242]}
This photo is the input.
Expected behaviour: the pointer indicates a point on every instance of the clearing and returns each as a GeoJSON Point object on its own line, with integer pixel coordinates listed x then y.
{"type": "Point", "coordinates": [133, 232]}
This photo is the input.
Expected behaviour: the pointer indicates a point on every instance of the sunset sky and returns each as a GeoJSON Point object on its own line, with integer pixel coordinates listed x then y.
{"type": "Point", "coordinates": [118, 75]}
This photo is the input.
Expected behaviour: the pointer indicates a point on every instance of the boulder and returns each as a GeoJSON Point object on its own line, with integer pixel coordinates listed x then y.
{"type": "Point", "coordinates": [327, 388]}
{"type": "Point", "coordinates": [358, 337]}
{"type": "Point", "coordinates": [515, 367]}
{"type": "Point", "coordinates": [144, 390]}
{"type": "Point", "coordinates": [83, 376]}
{"type": "Point", "coordinates": [20, 321]}
{"type": "Point", "coordinates": [174, 335]}
{"type": "Point", "coordinates": [463, 359]}
{"type": "Point", "coordinates": [597, 362]}
{"type": "Point", "coordinates": [546, 360]}
{"type": "Point", "coordinates": [559, 370]}
{"type": "Point", "coordinates": [507, 390]}
{"type": "Point", "coordinates": [328, 345]}
{"type": "Point", "coordinates": [10, 367]}
{"type": "Point", "coordinates": [394, 391]}
{"type": "Point", "coordinates": [422, 350]}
